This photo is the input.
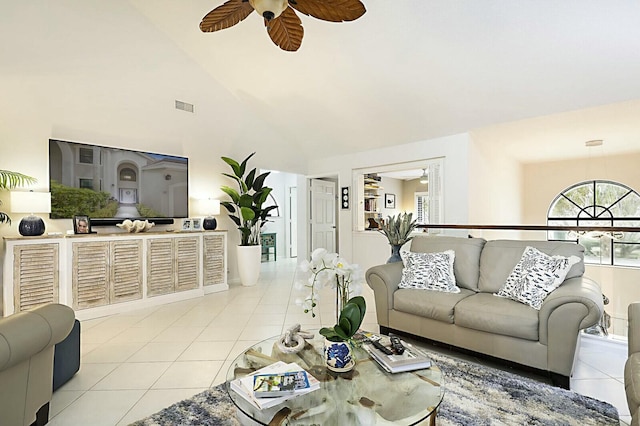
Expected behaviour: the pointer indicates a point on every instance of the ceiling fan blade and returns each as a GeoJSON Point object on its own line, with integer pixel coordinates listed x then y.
{"type": "Point", "coordinates": [226, 15]}
{"type": "Point", "coordinates": [286, 30]}
{"type": "Point", "coordinates": [330, 10]}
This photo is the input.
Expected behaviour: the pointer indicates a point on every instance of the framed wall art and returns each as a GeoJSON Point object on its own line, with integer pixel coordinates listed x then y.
{"type": "Point", "coordinates": [389, 201]}
{"type": "Point", "coordinates": [344, 198]}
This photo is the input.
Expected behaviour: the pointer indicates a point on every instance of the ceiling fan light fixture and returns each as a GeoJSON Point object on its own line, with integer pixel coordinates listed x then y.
{"type": "Point", "coordinates": [269, 9]}
{"type": "Point", "coordinates": [424, 179]}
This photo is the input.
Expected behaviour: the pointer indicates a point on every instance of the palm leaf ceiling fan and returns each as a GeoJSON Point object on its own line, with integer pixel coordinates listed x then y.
{"type": "Point", "coordinates": [283, 24]}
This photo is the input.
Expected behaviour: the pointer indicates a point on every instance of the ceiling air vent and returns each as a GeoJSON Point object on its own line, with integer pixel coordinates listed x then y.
{"type": "Point", "coordinates": [184, 106]}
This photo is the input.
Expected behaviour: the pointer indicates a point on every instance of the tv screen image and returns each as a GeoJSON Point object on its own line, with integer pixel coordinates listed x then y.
{"type": "Point", "coordinates": [112, 184]}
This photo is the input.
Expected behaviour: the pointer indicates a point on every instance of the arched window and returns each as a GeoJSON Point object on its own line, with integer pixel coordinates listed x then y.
{"type": "Point", "coordinates": [599, 203]}
{"type": "Point", "coordinates": [128, 174]}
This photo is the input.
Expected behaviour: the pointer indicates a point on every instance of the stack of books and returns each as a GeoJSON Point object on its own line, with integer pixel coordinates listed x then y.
{"type": "Point", "coordinates": [274, 384]}
{"type": "Point", "coordinates": [410, 359]}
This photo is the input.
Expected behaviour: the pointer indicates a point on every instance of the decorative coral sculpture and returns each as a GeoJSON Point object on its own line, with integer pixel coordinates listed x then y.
{"type": "Point", "coordinates": [135, 225]}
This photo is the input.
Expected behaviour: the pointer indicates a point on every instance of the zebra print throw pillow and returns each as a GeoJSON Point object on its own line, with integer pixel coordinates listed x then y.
{"type": "Point", "coordinates": [535, 276]}
{"type": "Point", "coordinates": [429, 271]}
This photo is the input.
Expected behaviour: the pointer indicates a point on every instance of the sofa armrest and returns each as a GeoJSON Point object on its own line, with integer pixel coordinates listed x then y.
{"type": "Point", "coordinates": [575, 305]}
{"type": "Point", "coordinates": [634, 327]}
{"type": "Point", "coordinates": [384, 280]}
{"type": "Point", "coordinates": [580, 290]}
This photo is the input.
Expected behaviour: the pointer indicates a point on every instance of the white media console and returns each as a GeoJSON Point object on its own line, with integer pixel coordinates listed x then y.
{"type": "Point", "coordinates": [103, 274]}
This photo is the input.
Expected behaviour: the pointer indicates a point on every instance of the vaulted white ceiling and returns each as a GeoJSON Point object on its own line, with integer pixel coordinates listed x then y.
{"type": "Point", "coordinates": [408, 70]}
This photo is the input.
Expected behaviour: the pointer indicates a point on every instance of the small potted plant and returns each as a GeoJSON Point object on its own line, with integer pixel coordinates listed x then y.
{"type": "Point", "coordinates": [10, 180]}
{"type": "Point", "coordinates": [398, 231]}
{"type": "Point", "coordinates": [337, 347]}
{"type": "Point", "coordinates": [247, 212]}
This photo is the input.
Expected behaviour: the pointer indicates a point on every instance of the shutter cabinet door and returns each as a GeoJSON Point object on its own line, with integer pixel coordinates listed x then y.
{"type": "Point", "coordinates": [36, 275]}
{"type": "Point", "coordinates": [126, 270]}
{"type": "Point", "coordinates": [214, 267]}
{"type": "Point", "coordinates": [90, 274]}
{"type": "Point", "coordinates": [187, 255]}
{"type": "Point", "coordinates": [160, 273]}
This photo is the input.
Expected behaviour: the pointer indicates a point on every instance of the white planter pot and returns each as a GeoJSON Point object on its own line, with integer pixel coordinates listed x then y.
{"type": "Point", "coordinates": [249, 258]}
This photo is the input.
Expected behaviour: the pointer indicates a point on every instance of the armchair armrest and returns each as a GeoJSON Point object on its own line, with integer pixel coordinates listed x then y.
{"type": "Point", "coordinates": [634, 327]}
{"type": "Point", "coordinates": [24, 334]}
{"type": "Point", "coordinates": [384, 280]}
{"type": "Point", "coordinates": [27, 342]}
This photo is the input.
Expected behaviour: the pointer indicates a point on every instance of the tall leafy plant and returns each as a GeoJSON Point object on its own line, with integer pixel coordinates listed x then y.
{"type": "Point", "coordinates": [246, 205]}
{"type": "Point", "coordinates": [10, 180]}
{"type": "Point", "coordinates": [398, 229]}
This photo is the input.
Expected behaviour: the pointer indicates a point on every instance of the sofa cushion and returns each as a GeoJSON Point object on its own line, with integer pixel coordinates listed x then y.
{"type": "Point", "coordinates": [499, 257]}
{"type": "Point", "coordinates": [466, 266]}
{"type": "Point", "coordinates": [428, 271]}
{"type": "Point", "coordinates": [497, 315]}
{"type": "Point", "coordinates": [429, 304]}
{"type": "Point", "coordinates": [535, 276]}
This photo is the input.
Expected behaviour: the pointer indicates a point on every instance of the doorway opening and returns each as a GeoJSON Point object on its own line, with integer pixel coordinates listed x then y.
{"type": "Point", "coordinates": [323, 213]}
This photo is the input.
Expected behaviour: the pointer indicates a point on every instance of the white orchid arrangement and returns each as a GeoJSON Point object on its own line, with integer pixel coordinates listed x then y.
{"type": "Point", "coordinates": [328, 269]}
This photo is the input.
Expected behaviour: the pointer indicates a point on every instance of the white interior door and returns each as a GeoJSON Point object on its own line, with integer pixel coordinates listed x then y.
{"type": "Point", "coordinates": [293, 221]}
{"type": "Point", "coordinates": [322, 221]}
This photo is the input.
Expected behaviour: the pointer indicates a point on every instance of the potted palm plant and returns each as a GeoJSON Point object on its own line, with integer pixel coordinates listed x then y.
{"type": "Point", "coordinates": [337, 347]}
{"type": "Point", "coordinates": [9, 180]}
{"type": "Point", "coordinates": [247, 212]}
{"type": "Point", "coordinates": [398, 231]}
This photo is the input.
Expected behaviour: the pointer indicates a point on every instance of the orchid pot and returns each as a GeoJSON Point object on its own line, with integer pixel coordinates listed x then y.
{"type": "Point", "coordinates": [338, 356]}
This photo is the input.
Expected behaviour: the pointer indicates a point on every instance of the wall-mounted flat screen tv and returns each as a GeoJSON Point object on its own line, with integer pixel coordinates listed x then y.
{"type": "Point", "coordinates": [112, 184]}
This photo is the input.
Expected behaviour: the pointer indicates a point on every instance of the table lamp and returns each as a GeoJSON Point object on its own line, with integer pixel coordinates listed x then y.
{"type": "Point", "coordinates": [30, 202]}
{"type": "Point", "coordinates": [210, 207]}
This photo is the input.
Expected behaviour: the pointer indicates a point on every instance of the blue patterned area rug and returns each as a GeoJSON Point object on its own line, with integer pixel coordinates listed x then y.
{"type": "Point", "coordinates": [475, 395]}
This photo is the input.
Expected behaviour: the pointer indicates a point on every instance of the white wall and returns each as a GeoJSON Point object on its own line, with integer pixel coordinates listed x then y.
{"type": "Point", "coordinates": [495, 186]}
{"type": "Point", "coordinates": [391, 186]}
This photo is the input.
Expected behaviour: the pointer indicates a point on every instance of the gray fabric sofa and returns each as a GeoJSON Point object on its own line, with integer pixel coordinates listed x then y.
{"type": "Point", "coordinates": [476, 320]}
{"type": "Point", "coordinates": [27, 342]}
{"type": "Point", "coordinates": [632, 366]}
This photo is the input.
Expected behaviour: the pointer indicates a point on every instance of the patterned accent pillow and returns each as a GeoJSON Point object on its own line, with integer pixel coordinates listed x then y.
{"type": "Point", "coordinates": [535, 276]}
{"type": "Point", "coordinates": [429, 271]}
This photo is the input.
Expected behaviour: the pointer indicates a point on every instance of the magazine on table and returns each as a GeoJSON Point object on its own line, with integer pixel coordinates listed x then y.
{"type": "Point", "coordinates": [279, 384]}
{"type": "Point", "coordinates": [410, 359]}
{"type": "Point", "coordinates": [245, 386]}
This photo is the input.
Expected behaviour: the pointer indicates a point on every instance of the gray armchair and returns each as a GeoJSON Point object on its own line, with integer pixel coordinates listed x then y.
{"type": "Point", "coordinates": [632, 366]}
{"type": "Point", "coordinates": [27, 342]}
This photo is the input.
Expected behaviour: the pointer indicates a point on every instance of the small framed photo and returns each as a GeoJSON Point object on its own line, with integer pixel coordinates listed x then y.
{"type": "Point", "coordinates": [81, 225]}
{"type": "Point", "coordinates": [196, 224]}
{"type": "Point", "coordinates": [186, 224]}
{"type": "Point", "coordinates": [389, 201]}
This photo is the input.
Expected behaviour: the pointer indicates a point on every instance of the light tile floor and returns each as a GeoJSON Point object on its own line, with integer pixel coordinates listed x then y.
{"type": "Point", "coordinates": [136, 363]}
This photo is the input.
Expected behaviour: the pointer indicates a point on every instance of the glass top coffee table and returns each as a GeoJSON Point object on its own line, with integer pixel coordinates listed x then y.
{"type": "Point", "coordinates": [366, 395]}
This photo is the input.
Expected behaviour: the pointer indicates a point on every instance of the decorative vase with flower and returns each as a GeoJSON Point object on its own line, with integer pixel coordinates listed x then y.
{"type": "Point", "coordinates": [329, 269]}
{"type": "Point", "coordinates": [398, 231]}
{"type": "Point", "coordinates": [338, 355]}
